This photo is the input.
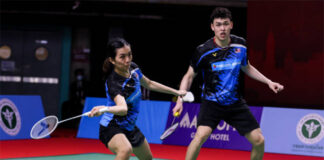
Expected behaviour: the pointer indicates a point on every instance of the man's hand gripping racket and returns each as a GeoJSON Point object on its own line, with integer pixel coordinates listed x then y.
{"type": "Point", "coordinates": [47, 125]}
{"type": "Point", "coordinates": [189, 97]}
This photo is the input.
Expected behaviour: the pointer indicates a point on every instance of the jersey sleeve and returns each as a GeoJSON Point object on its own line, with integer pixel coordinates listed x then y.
{"type": "Point", "coordinates": [114, 89]}
{"type": "Point", "coordinates": [245, 59]}
{"type": "Point", "coordinates": [194, 60]}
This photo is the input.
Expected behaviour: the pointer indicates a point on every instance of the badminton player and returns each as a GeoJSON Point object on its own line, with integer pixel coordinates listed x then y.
{"type": "Point", "coordinates": [220, 60]}
{"type": "Point", "coordinates": [123, 89]}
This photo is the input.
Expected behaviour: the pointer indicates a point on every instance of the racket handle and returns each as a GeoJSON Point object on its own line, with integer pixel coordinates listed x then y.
{"type": "Point", "coordinates": [105, 109]}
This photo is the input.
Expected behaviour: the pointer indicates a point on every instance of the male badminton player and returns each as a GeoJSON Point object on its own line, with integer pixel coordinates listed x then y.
{"type": "Point", "coordinates": [123, 81]}
{"type": "Point", "coordinates": [220, 59]}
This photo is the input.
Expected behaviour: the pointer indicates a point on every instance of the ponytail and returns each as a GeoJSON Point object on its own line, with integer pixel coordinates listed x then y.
{"type": "Point", "coordinates": [107, 68]}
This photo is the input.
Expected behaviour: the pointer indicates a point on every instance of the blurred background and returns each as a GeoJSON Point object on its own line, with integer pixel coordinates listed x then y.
{"type": "Point", "coordinates": [56, 49]}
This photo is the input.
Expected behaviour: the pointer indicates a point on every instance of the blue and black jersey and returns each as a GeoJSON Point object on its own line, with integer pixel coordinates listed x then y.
{"type": "Point", "coordinates": [130, 88]}
{"type": "Point", "coordinates": [220, 69]}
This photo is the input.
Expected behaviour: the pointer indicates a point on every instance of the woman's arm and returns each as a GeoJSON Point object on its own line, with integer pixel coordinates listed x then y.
{"type": "Point", "coordinates": [158, 87]}
{"type": "Point", "coordinates": [119, 109]}
{"type": "Point", "coordinates": [255, 74]}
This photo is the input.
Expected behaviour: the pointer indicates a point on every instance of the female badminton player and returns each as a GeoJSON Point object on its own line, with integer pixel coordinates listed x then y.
{"type": "Point", "coordinates": [123, 81]}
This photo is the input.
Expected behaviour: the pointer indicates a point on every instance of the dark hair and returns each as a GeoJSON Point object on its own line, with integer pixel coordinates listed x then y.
{"type": "Point", "coordinates": [112, 46]}
{"type": "Point", "coordinates": [220, 12]}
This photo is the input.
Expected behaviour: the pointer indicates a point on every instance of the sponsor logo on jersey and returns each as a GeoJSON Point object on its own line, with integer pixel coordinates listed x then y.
{"type": "Point", "coordinates": [136, 75]}
{"type": "Point", "coordinates": [214, 66]}
{"type": "Point", "coordinates": [224, 65]}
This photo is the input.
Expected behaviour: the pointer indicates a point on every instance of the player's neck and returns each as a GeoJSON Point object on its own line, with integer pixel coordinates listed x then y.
{"type": "Point", "coordinates": [122, 73]}
{"type": "Point", "coordinates": [222, 43]}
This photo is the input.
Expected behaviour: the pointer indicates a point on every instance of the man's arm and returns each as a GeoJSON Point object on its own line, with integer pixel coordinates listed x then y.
{"type": "Point", "coordinates": [255, 74]}
{"type": "Point", "coordinates": [185, 85]}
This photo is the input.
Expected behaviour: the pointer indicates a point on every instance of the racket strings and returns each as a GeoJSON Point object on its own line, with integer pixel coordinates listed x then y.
{"type": "Point", "coordinates": [44, 127]}
{"type": "Point", "coordinates": [169, 131]}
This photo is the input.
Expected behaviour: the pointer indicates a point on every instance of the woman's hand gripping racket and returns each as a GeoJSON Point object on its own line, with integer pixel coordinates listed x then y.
{"type": "Point", "coordinates": [189, 97]}
{"type": "Point", "coordinates": [47, 125]}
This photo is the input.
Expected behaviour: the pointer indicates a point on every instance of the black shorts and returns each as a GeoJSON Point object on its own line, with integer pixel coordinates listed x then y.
{"type": "Point", "coordinates": [135, 137]}
{"type": "Point", "coordinates": [237, 115]}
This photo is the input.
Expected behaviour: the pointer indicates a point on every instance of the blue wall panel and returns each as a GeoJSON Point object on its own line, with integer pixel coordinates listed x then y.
{"type": "Point", "coordinates": [152, 119]}
{"type": "Point", "coordinates": [293, 131]}
{"type": "Point", "coordinates": [18, 115]}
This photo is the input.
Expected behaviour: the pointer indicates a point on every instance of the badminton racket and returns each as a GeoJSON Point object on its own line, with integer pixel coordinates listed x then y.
{"type": "Point", "coordinates": [171, 129]}
{"type": "Point", "coordinates": [189, 97]}
{"type": "Point", "coordinates": [47, 125]}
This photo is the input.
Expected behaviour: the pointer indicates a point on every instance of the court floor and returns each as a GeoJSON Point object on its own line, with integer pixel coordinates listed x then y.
{"type": "Point", "coordinates": [96, 156]}
{"type": "Point", "coordinates": [70, 148]}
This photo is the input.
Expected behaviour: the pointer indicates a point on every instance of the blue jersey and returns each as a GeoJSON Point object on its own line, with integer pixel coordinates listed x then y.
{"type": "Point", "coordinates": [130, 88]}
{"type": "Point", "coordinates": [220, 69]}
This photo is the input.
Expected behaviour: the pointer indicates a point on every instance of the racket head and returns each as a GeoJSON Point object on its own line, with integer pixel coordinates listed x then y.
{"type": "Point", "coordinates": [189, 97]}
{"type": "Point", "coordinates": [169, 131]}
{"type": "Point", "coordinates": [44, 127]}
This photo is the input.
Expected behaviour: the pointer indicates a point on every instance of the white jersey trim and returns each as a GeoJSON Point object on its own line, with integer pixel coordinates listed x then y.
{"type": "Point", "coordinates": [237, 45]}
